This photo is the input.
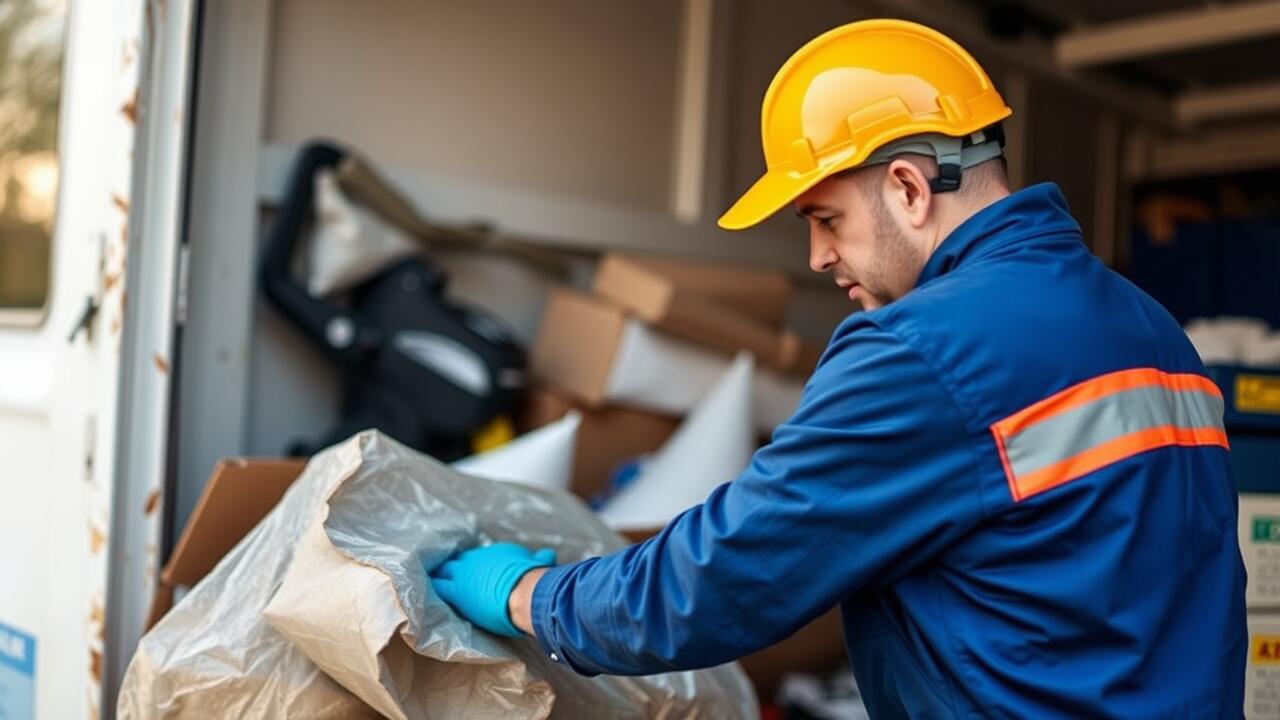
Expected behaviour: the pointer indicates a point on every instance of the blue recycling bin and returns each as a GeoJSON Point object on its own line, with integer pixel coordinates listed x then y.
{"type": "Point", "coordinates": [1252, 418]}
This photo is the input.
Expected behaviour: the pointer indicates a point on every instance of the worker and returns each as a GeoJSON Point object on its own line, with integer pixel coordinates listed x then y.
{"type": "Point", "coordinates": [1009, 470]}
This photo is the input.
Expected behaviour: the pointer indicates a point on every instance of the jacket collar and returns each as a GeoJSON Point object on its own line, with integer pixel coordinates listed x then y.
{"type": "Point", "coordinates": [1035, 211]}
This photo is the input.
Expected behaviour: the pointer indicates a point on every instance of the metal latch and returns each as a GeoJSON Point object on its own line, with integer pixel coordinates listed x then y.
{"type": "Point", "coordinates": [85, 323]}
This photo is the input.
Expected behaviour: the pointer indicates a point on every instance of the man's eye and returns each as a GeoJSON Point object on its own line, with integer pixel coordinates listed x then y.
{"type": "Point", "coordinates": [826, 222]}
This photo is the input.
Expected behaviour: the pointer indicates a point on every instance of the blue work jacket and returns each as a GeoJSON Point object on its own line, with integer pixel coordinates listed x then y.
{"type": "Point", "coordinates": [1014, 481]}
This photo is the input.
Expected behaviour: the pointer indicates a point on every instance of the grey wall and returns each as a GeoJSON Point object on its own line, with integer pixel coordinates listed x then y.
{"type": "Point", "coordinates": [570, 97]}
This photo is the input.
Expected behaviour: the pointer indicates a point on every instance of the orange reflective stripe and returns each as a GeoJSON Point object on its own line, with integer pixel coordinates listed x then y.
{"type": "Point", "coordinates": [1102, 421]}
{"type": "Point", "coordinates": [1004, 461]}
{"type": "Point", "coordinates": [1096, 458]}
{"type": "Point", "coordinates": [1090, 390]}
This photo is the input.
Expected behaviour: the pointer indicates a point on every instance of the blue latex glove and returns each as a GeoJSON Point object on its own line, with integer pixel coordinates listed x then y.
{"type": "Point", "coordinates": [478, 582]}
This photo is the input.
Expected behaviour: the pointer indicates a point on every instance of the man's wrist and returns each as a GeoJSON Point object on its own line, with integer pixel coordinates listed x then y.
{"type": "Point", "coordinates": [520, 602]}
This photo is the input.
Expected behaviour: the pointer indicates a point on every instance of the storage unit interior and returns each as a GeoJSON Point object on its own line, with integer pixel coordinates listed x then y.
{"type": "Point", "coordinates": [587, 127]}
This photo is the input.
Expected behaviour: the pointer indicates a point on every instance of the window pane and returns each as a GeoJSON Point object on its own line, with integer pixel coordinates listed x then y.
{"type": "Point", "coordinates": [31, 48]}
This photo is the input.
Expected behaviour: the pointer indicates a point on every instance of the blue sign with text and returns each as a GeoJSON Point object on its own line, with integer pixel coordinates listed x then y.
{"type": "Point", "coordinates": [17, 674]}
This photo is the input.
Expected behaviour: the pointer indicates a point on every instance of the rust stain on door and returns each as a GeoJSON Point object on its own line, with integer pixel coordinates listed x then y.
{"type": "Point", "coordinates": [153, 501]}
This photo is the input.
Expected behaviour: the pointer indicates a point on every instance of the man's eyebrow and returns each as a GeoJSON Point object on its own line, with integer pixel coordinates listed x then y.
{"type": "Point", "coordinates": [810, 209]}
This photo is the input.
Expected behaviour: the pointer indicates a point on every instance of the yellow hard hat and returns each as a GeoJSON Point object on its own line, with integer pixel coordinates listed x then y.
{"type": "Point", "coordinates": [854, 90]}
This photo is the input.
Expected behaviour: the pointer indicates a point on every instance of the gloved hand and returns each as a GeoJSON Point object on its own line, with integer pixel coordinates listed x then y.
{"type": "Point", "coordinates": [478, 582]}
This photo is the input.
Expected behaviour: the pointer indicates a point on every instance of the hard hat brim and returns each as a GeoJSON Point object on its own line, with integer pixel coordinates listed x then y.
{"type": "Point", "coordinates": [775, 189]}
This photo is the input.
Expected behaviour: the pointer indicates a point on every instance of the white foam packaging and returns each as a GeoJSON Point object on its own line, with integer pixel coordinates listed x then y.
{"type": "Point", "coordinates": [712, 446]}
{"type": "Point", "coordinates": [542, 458]}
{"type": "Point", "coordinates": [657, 371]}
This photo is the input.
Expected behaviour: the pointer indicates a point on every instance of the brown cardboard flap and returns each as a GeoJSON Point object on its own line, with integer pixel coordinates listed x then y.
{"type": "Point", "coordinates": [695, 314]}
{"type": "Point", "coordinates": [763, 295]}
{"type": "Point", "coordinates": [576, 344]}
{"type": "Point", "coordinates": [240, 492]}
{"type": "Point", "coordinates": [606, 437]}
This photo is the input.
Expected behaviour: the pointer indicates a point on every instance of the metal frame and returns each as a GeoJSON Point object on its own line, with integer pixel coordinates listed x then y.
{"type": "Point", "coordinates": [223, 231]}
{"type": "Point", "coordinates": [142, 420]}
{"type": "Point", "coordinates": [689, 151]}
{"type": "Point", "coordinates": [1214, 24]}
{"type": "Point", "coordinates": [1232, 150]}
{"type": "Point", "coordinates": [1254, 99]}
{"type": "Point", "coordinates": [24, 318]}
{"type": "Point", "coordinates": [1033, 57]}
{"type": "Point", "coordinates": [553, 221]}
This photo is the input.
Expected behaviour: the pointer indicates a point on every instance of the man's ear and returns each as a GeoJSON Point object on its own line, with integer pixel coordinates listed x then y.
{"type": "Point", "coordinates": [908, 189]}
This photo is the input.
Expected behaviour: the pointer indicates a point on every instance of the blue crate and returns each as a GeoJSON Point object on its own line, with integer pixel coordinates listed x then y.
{"type": "Point", "coordinates": [1178, 273]}
{"type": "Point", "coordinates": [1248, 255]}
{"type": "Point", "coordinates": [1256, 462]}
{"type": "Point", "coordinates": [1252, 398]}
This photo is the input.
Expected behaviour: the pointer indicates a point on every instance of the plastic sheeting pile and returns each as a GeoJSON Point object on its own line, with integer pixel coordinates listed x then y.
{"type": "Point", "coordinates": [1235, 341]}
{"type": "Point", "coordinates": [323, 611]}
{"type": "Point", "coordinates": [712, 446]}
{"type": "Point", "coordinates": [543, 458]}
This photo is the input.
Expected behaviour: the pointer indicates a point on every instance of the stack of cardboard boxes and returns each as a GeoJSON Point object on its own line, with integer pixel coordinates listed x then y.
{"type": "Point", "coordinates": [650, 339]}
{"type": "Point", "coordinates": [1259, 532]}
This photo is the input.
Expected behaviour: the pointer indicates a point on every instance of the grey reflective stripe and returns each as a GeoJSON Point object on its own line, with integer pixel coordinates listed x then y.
{"type": "Point", "coordinates": [1112, 416]}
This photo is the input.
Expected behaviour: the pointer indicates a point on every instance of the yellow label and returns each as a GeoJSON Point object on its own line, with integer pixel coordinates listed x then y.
{"type": "Point", "coordinates": [1266, 650]}
{"type": "Point", "coordinates": [496, 433]}
{"type": "Point", "coordinates": [1258, 393]}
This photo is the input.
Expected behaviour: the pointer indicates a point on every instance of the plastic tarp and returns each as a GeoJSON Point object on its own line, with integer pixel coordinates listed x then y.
{"type": "Point", "coordinates": [323, 610]}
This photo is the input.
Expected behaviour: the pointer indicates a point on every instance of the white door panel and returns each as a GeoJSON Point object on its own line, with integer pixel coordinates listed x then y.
{"type": "Point", "coordinates": [66, 406]}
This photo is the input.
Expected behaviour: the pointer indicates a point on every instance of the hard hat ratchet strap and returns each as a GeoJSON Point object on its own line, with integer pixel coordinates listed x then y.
{"type": "Point", "coordinates": [952, 154]}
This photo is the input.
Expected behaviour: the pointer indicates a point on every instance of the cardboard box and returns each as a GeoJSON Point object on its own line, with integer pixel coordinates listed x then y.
{"type": "Point", "coordinates": [240, 492]}
{"type": "Point", "coordinates": [606, 436]}
{"type": "Point", "coordinates": [662, 302]}
{"type": "Point", "coordinates": [1262, 673]}
{"type": "Point", "coordinates": [763, 295]}
{"type": "Point", "coordinates": [603, 356]}
{"type": "Point", "coordinates": [1259, 533]}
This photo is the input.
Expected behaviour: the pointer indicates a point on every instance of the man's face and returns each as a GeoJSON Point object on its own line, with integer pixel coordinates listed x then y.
{"type": "Point", "coordinates": [854, 235]}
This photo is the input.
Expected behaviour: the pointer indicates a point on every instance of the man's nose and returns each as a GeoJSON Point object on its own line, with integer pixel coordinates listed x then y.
{"type": "Point", "coordinates": [821, 255]}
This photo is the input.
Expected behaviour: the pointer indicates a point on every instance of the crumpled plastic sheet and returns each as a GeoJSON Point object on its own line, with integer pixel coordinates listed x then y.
{"type": "Point", "coordinates": [323, 610]}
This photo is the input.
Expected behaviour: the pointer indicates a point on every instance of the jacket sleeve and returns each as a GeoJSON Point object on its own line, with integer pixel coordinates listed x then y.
{"type": "Point", "coordinates": [872, 475]}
